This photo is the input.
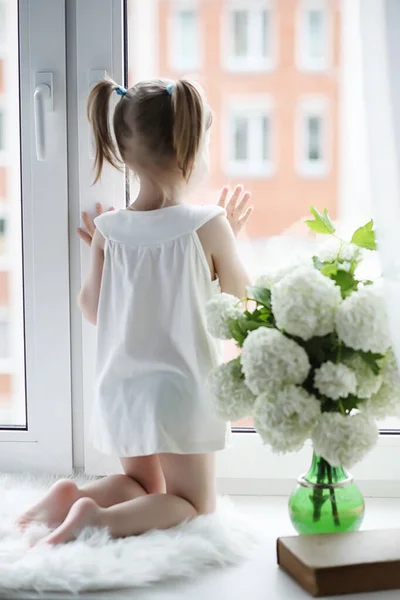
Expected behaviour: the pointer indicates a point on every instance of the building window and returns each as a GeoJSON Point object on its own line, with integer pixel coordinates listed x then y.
{"type": "Point", "coordinates": [313, 36]}
{"type": "Point", "coordinates": [248, 139]}
{"type": "Point", "coordinates": [184, 39]}
{"type": "Point", "coordinates": [248, 34]}
{"type": "Point", "coordinates": [2, 140]}
{"type": "Point", "coordinates": [4, 338]}
{"type": "Point", "coordinates": [313, 139]}
{"type": "Point", "coordinates": [3, 233]}
{"type": "Point", "coordinates": [2, 23]}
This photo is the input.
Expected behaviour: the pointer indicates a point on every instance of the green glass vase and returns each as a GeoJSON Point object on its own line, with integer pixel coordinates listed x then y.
{"type": "Point", "coordinates": [326, 500]}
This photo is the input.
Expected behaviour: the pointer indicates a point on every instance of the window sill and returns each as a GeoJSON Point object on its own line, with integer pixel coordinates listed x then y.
{"type": "Point", "coordinates": [249, 467]}
{"type": "Point", "coordinates": [240, 170]}
{"type": "Point", "coordinates": [321, 68]}
{"type": "Point", "coordinates": [183, 69]}
{"type": "Point", "coordinates": [310, 171]}
{"type": "Point", "coordinates": [250, 67]}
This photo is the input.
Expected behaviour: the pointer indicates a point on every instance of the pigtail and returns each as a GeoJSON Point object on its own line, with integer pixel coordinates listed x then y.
{"type": "Point", "coordinates": [188, 114]}
{"type": "Point", "coordinates": [98, 111]}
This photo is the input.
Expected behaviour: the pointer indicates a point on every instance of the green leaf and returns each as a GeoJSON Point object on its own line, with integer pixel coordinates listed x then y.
{"type": "Point", "coordinates": [320, 349]}
{"type": "Point", "coordinates": [346, 282]}
{"type": "Point", "coordinates": [261, 295]}
{"type": "Point", "coordinates": [364, 237]}
{"type": "Point", "coordinates": [320, 223]}
{"type": "Point", "coordinates": [372, 360]}
{"type": "Point", "coordinates": [350, 402]}
{"type": "Point", "coordinates": [329, 269]}
{"type": "Point", "coordinates": [236, 332]}
{"type": "Point", "coordinates": [326, 268]}
{"type": "Point", "coordinates": [247, 324]}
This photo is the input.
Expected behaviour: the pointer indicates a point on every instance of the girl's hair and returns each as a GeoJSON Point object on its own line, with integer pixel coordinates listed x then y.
{"type": "Point", "coordinates": [155, 123]}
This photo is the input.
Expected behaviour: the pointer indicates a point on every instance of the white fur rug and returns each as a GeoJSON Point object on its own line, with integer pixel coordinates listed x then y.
{"type": "Point", "coordinates": [95, 561]}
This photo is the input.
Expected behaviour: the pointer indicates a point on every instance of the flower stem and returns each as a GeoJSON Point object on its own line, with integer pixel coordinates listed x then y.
{"type": "Point", "coordinates": [318, 493]}
{"type": "Point", "coordinates": [332, 495]}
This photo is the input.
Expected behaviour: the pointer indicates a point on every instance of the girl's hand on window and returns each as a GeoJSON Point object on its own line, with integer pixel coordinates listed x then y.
{"type": "Point", "coordinates": [237, 210]}
{"type": "Point", "coordinates": [86, 232]}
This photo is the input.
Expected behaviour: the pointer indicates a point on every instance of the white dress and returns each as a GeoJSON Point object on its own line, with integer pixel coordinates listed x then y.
{"type": "Point", "coordinates": [153, 349]}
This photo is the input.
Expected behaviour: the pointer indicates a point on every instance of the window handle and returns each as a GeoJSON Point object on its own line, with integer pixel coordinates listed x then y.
{"type": "Point", "coordinates": [42, 105]}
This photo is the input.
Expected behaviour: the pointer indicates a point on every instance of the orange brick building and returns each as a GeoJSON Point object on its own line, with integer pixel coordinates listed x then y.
{"type": "Point", "coordinates": [270, 70]}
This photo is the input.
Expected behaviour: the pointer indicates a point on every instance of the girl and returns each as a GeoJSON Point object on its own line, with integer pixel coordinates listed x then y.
{"type": "Point", "coordinates": [153, 268]}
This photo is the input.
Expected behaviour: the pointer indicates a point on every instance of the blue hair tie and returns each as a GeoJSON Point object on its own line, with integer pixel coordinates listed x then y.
{"type": "Point", "coordinates": [121, 91]}
{"type": "Point", "coordinates": [170, 87]}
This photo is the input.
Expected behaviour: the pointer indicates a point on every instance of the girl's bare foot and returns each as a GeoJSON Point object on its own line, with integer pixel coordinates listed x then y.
{"type": "Point", "coordinates": [83, 513]}
{"type": "Point", "coordinates": [53, 508]}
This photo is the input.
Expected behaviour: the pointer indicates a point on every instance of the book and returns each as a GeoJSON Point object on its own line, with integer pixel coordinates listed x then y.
{"type": "Point", "coordinates": [342, 563]}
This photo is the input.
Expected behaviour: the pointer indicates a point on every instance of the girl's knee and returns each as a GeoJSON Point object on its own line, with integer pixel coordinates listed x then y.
{"type": "Point", "coordinates": [204, 507]}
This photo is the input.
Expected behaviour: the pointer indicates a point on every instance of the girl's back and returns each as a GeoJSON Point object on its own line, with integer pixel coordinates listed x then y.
{"type": "Point", "coordinates": [154, 352]}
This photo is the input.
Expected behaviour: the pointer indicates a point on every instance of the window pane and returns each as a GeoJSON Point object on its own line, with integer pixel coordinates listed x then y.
{"type": "Point", "coordinates": [12, 380]}
{"type": "Point", "coordinates": [315, 31]}
{"type": "Point", "coordinates": [1, 131]}
{"type": "Point", "coordinates": [241, 134]}
{"type": "Point", "coordinates": [276, 234]}
{"type": "Point", "coordinates": [265, 128]}
{"type": "Point", "coordinates": [240, 33]}
{"type": "Point", "coordinates": [314, 137]}
{"type": "Point", "coordinates": [265, 33]}
{"type": "Point", "coordinates": [4, 339]}
{"type": "Point", "coordinates": [188, 35]}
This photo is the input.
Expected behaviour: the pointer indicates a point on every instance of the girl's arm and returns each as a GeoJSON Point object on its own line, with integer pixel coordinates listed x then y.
{"type": "Point", "coordinates": [218, 238]}
{"type": "Point", "coordinates": [88, 299]}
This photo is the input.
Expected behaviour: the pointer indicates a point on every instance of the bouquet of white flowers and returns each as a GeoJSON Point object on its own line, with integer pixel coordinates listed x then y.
{"type": "Point", "coordinates": [316, 361]}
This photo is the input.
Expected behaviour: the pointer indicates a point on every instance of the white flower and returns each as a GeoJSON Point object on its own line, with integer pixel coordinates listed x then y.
{"type": "Point", "coordinates": [334, 249]}
{"type": "Point", "coordinates": [350, 252]}
{"type": "Point", "coordinates": [390, 370]}
{"type": "Point", "coordinates": [329, 251]}
{"type": "Point", "coordinates": [269, 358]}
{"type": "Point", "coordinates": [221, 311]}
{"type": "Point", "coordinates": [335, 380]}
{"type": "Point", "coordinates": [367, 382]}
{"type": "Point", "coordinates": [275, 274]}
{"type": "Point", "coordinates": [232, 398]}
{"type": "Point", "coordinates": [386, 401]}
{"type": "Point", "coordinates": [361, 320]}
{"type": "Point", "coordinates": [344, 440]}
{"type": "Point", "coordinates": [304, 303]}
{"type": "Point", "coordinates": [285, 418]}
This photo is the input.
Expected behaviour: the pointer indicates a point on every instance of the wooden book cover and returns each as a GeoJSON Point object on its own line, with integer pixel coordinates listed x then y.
{"type": "Point", "coordinates": [343, 563]}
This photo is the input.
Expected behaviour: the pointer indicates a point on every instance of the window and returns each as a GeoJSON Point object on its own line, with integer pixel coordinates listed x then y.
{"type": "Point", "coordinates": [184, 39]}
{"type": "Point", "coordinates": [313, 138]}
{"type": "Point", "coordinates": [4, 337]}
{"type": "Point", "coordinates": [248, 34]}
{"type": "Point", "coordinates": [2, 23]}
{"type": "Point", "coordinates": [2, 141]}
{"type": "Point", "coordinates": [3, 238]}
{"type": "Point", "coordinates": [248, 140]}
{"type": "Point", "coordinates": [35, 432]}
{"type": "Point", "coordinates": [312, 36]}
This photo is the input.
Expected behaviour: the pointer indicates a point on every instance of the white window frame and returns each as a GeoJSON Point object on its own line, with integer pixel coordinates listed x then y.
{"type": "Point", "coordinates": [310, 106]}
{"type": "Point", "coordinates": [254, 62]}
{"type": "Point", "coordinates": [46, 443]}
{"type": "Point", "coordinates": [252, 107]}
{"type": "Point", "coordinates": [304, 61]}
{"type": "Point", "coordinates": [246, 468]}
{"type": "Point", "coordinates": [177, 62]}
{"type": "Point", "coordinates": [87, 63]}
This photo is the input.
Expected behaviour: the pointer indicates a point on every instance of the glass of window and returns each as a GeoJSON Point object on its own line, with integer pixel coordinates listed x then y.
{"type": "Point", "coordinates": [12, 388]}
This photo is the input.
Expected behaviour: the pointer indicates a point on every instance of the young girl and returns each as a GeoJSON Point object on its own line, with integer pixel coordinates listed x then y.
{"type": "Point", "coordinates": [153, 268]}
